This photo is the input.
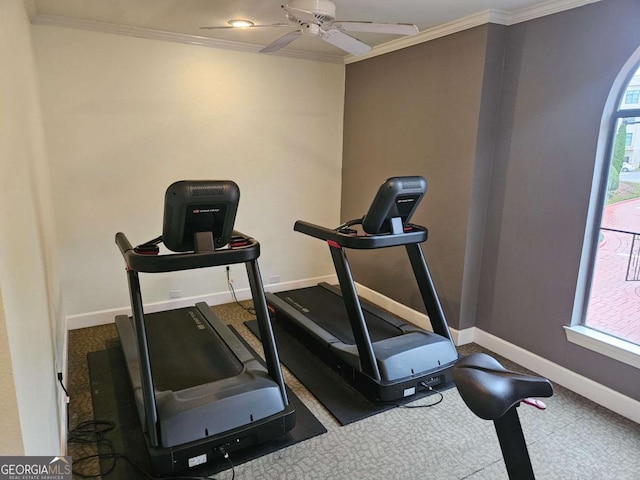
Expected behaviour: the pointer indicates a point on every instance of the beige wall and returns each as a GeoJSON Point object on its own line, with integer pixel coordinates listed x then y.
{"type": "Point", "coordinates": [125, 117]}
{"type": "Point", "coordinates": [11, 438]}
{"type": "Point", "coordinates": [27, 243]}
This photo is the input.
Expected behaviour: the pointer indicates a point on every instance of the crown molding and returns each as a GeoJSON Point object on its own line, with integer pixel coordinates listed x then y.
{"type": "Point", "coordinates": [547, 8]}
{"type": "Point", "coordinates": [471, 21]}
{"type": "Point", "coordinates": [149, 33]}
{"type": "Point", "coordinates": [499, 17]}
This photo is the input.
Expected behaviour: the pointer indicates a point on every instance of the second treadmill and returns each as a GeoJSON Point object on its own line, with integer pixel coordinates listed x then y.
{"type": "Point", "coordinates": [382, 356]}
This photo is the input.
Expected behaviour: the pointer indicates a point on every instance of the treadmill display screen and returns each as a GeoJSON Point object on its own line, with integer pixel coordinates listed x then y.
{"type": "Point", "coordinates": [405, 205]}
{"type": "Point", "coordinates": [198, 206]}
{"type": "Point", "coordinates": [204, 218]}
{"type": "Point", "coordinates": [397, 197]}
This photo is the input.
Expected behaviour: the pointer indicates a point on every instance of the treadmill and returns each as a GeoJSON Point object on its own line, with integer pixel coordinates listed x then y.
{"type": "Point", "coordinates": [382, 356]}
{"type": "Point", "coordinates": [200, 393]}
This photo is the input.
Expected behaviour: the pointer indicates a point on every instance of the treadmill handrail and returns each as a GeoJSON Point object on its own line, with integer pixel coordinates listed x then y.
{"type": "Point", "coordinates": [186, 261]}
{"type": "Point", "coordinates": [417, 234]}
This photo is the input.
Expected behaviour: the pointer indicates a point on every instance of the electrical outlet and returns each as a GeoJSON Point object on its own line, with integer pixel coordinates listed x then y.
{"type": "Point", "coordinates": [175, 293]}
{"type": "Point", "coordinates": [229, 277]}
{"type": "Point", "coordinates": [274, 279]}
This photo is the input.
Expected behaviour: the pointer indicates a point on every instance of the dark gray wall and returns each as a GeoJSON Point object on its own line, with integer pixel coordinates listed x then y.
{"type": "Point", "coordinates": [558, 75]}
{"type": "Point", "coordinates": [482, 168]}
{"type": "Point", "coordinates": [416, 112]}
{"type": "Point", "coordinates": [503, 123]}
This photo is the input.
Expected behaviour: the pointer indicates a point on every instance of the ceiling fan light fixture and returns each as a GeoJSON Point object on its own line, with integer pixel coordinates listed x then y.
{"type": "Point", "coordinates": [240, 23]}
{"type": "Point", "coordinates": [317, 18]}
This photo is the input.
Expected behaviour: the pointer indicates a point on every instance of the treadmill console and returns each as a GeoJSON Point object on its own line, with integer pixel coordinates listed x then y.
{"type": "Point", "coordinates": [397, 198]}
{"type": "Point", "coordinates": [192, 207]}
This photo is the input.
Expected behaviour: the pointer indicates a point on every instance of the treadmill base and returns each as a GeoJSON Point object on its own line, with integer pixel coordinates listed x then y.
{"type": "Point", "coordinates": [179, 457]}
{"type": "Point", "coordinates": [169, 461]}
{"type": "Point", "coordinates": [374, 391]}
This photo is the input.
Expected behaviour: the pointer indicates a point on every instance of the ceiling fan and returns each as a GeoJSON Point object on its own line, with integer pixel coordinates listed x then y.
{"type": "Point", "coordinates": [317, 18]}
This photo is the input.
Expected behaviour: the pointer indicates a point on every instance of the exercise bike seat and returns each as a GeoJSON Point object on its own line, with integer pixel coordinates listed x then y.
{"type": "Point", "coordinates": [490, 390]}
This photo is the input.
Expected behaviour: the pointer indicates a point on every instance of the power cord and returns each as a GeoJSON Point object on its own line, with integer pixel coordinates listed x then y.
{"type": "Point", "coordinates": [94, 431]}
{"type": "Point", "coordinates": [225, 454]}
{"type": "Point", "coordinates": [345, 227]}
{"type": "Point", "coordinates": [62, 384]}
{"type": "Point", "coordinates": [251, 310]}
{"type": "Point", "coordinates": [66, 396]}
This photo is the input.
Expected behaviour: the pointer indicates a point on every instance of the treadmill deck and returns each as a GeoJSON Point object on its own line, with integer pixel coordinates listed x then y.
{"type": "Point", "coordinates": [226, 387]}
{"type": "Point", "coordinates": [326, 308]}
{"type": "Point", "coordinates": [186, 351]}
{"type": "Point", "coordinates": [408, 358]}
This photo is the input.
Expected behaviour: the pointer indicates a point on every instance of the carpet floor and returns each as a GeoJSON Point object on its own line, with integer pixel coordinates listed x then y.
{"type": "Point", "coordinates": [573, 439]}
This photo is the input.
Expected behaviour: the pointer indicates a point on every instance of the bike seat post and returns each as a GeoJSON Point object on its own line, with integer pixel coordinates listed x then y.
{"type": "Point", "coordinates": [513, 446]}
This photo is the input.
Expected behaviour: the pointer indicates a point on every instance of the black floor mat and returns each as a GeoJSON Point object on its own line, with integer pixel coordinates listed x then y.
{"type": "Point", "coordinates": [113, 401]}
{"type": "Point", "coordinates": [345, 403]}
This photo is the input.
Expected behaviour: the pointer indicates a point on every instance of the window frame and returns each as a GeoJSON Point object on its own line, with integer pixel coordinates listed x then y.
{"type": "Point", "coordinates": [577, 332]}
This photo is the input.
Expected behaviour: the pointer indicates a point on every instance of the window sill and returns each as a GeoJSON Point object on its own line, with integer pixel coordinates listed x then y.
{"type": "Point", "coordinates": [616, 348]}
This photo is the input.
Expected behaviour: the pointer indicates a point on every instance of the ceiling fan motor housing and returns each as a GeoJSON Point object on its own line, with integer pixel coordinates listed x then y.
{"type": "Point", "coordinates": [323, 10]}
{"type": "Point", "coordinates": [316, 17]}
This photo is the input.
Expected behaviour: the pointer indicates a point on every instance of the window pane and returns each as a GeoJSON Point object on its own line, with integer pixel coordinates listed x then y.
{"type": "Point", "coordinates": [631, 97]}
{"type": "Point", "coordinates": [631, 145]}
{"type": "Point", "coordinates": [614, 303]}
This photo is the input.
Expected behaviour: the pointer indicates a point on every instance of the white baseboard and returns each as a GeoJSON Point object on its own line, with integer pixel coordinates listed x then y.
{"type": "Point", "coordinates": [308, 282]}
{"type": "Point", "coordinates": [466, 336]}
{"type": "Point", "coordinates": [104, 317]}
{"type": "Point", "coordinates": [420, 319]}
{"type": "Point", "coordinates": [596, 392]}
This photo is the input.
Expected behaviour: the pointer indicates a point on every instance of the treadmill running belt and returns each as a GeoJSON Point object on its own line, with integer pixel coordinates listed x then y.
{"type": "Point", "coordinates": [185, 353]}
{"type": "Point", "coordinates": [327, 309]}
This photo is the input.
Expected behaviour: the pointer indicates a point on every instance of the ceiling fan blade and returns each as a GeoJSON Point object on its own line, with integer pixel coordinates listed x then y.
{"type": "Point", "coordinates": [392, 28]}
{"type": "Point", "coordinates": [303, 16]}
{"type": "Point", "coordinates": [345, 42]}
{"type": "Point", "coordinates": [227, 27]}
{"type": "Point", "coordinates": [281, 42]}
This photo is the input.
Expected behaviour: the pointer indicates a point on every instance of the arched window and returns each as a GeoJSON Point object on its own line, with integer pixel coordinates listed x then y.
{"type": "Point", "coordinates": [610, 300]}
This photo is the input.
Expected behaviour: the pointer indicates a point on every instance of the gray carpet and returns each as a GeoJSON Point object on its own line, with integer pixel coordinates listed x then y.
{"type": "Point", "coordinates": [572, 439]}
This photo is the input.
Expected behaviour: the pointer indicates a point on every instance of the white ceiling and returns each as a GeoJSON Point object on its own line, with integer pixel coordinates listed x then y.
{"type": "Point", "coordinates": [180, 20]}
